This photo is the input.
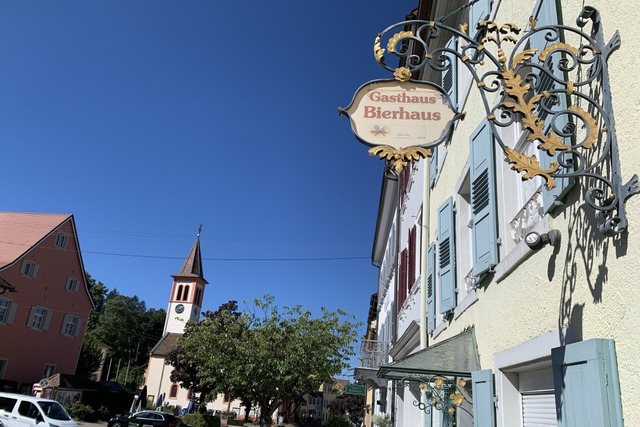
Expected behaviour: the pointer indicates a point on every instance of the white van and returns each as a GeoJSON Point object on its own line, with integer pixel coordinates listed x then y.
{"type": "Point", "coordinates": [18, 410]}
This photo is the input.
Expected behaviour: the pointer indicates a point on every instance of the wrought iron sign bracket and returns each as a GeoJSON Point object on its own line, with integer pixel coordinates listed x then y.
{"type": "Point", "coordinates": [552, 80]}
{"type": "Point", "coordinates": [442, 393]}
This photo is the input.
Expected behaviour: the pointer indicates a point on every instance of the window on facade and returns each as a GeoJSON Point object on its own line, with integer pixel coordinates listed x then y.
{"type": "Point", "coordinates": [179, 296]}
{"type": "Point", "coordinates": [70, 326]}
{"type": "Point", "coordinates": [173, 392]}
{"type": "Point", "coordinates": [72, 284]}
{"type": "Point", "coordinates": [29, 268]}
{"type": "Point", "coordinates": [185, 297]}
{"type": "Point", "coordinates": [39, 319]}
{"type": "Point", "coordinates": [49, 369]}
{"type": "Point", "coordinates": [3, 367]}
{"type": "Point", "coordinates": [61, 240]}
{"type": "Point", "coordinates": [7, 309]}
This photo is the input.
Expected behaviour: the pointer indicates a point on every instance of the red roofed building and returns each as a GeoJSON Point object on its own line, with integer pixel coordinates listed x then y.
{"type": "Point", "coordinates": [44, 300]}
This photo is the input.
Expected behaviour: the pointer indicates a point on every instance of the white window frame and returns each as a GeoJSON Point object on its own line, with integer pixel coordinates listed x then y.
{"type": "Point", "coordinates": [48, 370]}
{"type": "Point", "coordinates": [29, 269]}
{"type": "Point", "coordinates": [532, 355]}
{"type": "Point", "coordinates": [61, 240]}
{"type": "Point", "coordinates": [70, 325]}
{"type": "Point", "coordinates": [72, 284]}
{"type": "Point", "coordinates": [38, 318]}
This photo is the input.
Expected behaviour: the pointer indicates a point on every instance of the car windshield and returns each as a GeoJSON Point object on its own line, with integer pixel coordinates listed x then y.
{"type": "Point", "coordinates": [54, 410]}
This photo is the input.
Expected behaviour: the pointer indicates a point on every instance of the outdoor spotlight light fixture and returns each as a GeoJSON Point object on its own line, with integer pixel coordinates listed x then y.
{"type": "Point", "coordinates": [537, 241]}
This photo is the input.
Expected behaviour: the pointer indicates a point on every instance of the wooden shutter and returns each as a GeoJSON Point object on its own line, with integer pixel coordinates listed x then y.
{"type": "Point", "coordinates": [47, 315]}
{"type": "Point", "coordinates": [547, 14]}
{"type": "Point", "coordinates": [585, 377]}
{"type": "Point", "coordinates": [483, 201]}
{"type": "Point", "coordinates": [484, 412]}
{"type": "Point", "coordinates": [431, 288]}
{"type": "Point", "coordinates": [446, 256]}
{"type": "Point", "coordinates": [433, 166]}
{"type": "Point", "coordinates": [450, 75]}
{"type": "Point", "coordinates": [76, 333]}
{"type": "Point", "coordinates": [402, 279]}
{"type": "Point", "coordinates": [479, 11]}
{"type": "Point", "coordinates": [32, 315]}
{"type": "Point", "coordinates": [12, 313]}
{"type": "Point", "coordinates": [64, 324]}
{"type": "Point", "coordinates": [411, 274]}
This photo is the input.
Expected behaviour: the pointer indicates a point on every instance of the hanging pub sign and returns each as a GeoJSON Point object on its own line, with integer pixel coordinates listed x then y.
{"type": "Point", "coordinates": [400, 120]}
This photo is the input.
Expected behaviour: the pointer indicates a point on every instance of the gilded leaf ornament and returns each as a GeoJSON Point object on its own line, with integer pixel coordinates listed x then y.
{"type": "Point", "coordinates": [530, 164]}
{"type": "Point", "coordinates": [400, 157]}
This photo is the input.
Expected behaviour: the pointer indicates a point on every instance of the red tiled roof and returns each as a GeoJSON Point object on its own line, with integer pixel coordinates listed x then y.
{"type": "Point", "coordinates": [19, 232]}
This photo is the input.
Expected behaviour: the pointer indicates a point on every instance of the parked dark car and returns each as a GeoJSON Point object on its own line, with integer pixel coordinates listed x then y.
{"type": "Point", "coordinates": [147, 419]}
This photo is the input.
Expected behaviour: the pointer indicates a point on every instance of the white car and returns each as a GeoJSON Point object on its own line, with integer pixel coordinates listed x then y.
{"type": "Point", "coordinates": [18, 410]}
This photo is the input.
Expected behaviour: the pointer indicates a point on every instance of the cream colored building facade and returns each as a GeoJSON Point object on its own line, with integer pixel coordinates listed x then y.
{"type": "Point", "coordinates": [527, 315]}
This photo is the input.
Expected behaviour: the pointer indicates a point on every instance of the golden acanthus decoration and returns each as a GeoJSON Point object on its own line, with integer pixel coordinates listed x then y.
{"type": "Point", "coordinates": [399, 157]}
{"type": "Point", "coordinates": [378, 51]}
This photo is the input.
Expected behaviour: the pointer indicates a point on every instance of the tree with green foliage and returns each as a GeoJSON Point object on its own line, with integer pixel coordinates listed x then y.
{"type": "Point", "coordinates": [90, 356]}
{"type": "Point", "coordinates": [125, 325]}
{"type": "Point", "coordinates": [268, 355]}
{"type": "Point", "coordinates": [185, 370]}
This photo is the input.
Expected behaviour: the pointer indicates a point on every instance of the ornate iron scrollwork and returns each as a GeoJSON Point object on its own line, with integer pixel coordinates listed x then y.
{"type": "Point", "coordinates": [442, 394]}
{"type": "Point", "coordinates": [559, 94]}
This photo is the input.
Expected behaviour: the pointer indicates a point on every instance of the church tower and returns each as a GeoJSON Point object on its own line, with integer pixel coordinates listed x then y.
{"type": "Point", "coordinates": [187, 291]}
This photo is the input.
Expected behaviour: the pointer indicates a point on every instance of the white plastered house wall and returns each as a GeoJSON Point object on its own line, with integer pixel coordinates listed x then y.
{"type": "Point", "coordinates": [533, 302]}
{"type": "Point", "coordinates": [581, 290]}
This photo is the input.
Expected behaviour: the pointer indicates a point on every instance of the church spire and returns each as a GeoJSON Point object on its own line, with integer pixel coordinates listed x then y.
{"type": "Point", "coordinates": [192, 266]}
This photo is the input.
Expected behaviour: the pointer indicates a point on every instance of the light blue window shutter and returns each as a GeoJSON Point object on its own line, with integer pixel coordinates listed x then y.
{"type": "Point", "coordinates": [483, 201]}
{"type": "Point", "coordinates": [479, 11]}
{"type": "Point", "coordinates": [585, 376]}
{"type": "Point", "coordinates": [431, 288]}
{"type": "Point", "coordinates": [446, 257]}
{"type": "Point", "coordinates": [450, 75]}
{"type": "Point", "coordinates": [484, 413]}
{"type": "Point", "coordinates": [433, 166]}
{"type": "Point", "coordinates": [547, 14]}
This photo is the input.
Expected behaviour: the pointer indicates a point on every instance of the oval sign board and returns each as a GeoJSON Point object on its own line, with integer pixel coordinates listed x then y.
{"type": "Point", "coordinates": [400, 114]}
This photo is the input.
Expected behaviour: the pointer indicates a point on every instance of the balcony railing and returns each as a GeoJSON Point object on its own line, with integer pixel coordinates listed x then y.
{"type": "Point", "coordinates": [373, 353]}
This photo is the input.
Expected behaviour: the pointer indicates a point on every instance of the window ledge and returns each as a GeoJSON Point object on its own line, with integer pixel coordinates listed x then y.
{"type": "Point", "coordinates": [517, 255]}
{"type": "Point", "coordinates": [439, 329]}
{"type": "Point", "coordinates": [467, 302]}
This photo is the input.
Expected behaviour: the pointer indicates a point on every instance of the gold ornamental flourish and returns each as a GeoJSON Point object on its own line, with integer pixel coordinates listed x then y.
{"type": "Point", "coordinates": [378, 51]}
{"type": "Point", "coordinates": [399, 157]}
{"type": "Point", "coordinates": [402, 74]}
{"type": "Point", "coordinates": [391, 44]}
{"type": "Point", "coordinates": [520, 162]}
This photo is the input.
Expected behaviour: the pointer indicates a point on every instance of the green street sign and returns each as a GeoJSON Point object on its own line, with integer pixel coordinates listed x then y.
{"type": "Point", "coordinates": [355, 389]}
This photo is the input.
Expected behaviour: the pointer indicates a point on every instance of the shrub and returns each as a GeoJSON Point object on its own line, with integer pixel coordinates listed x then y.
{"type": "Point", "coordinates": [79, 411]}
{"type": "Point", "coordinates": [229, 415]}
{"type": "Point", "coordinates": [338, 421]}
{"type": "Point", "coordinates": [381, 420]}
{"type": "Point", "coordinates": [201, 420]}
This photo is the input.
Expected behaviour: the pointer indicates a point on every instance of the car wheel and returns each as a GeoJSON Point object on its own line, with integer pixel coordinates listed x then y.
{"type": "Point", "coordinates": [116, 424]}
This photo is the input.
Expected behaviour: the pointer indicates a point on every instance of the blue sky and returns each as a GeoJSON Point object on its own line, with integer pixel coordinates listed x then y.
{"type": "Point", "coordinates": [147, 118]}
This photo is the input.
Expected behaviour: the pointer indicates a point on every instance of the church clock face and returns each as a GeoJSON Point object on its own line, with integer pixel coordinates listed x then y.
{"type": "Point", "coordinates": [179, 308]}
